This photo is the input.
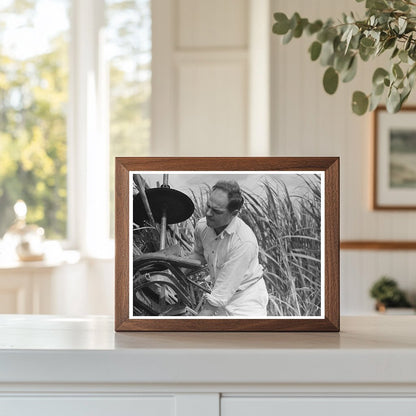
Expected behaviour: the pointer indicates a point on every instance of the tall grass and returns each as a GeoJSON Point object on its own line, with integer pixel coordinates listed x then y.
{"type": "Point", "coordinates": [288, 229]}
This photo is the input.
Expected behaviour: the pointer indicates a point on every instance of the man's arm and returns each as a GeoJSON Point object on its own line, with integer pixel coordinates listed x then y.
{"type": "Point", "coordinates": [232, 274]}
{"type": "Point", "coordinates": [208, 309]}
{"type": "Point", "coordinates": [196, 256]}
{"type": "Point", "coordinates": [198, 251]}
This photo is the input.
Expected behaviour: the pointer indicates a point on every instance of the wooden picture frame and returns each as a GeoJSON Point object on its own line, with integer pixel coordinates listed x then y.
{"type": "Point", "coordinates": [286, 176]}
{"type": "Point", "coordinates": [394, 158]}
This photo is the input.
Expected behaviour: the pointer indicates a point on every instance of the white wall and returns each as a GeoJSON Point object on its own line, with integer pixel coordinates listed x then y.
{"type": "Point", "coordinates": [308, 122]}
{"type": "Point", "coordinates": [210, 64]}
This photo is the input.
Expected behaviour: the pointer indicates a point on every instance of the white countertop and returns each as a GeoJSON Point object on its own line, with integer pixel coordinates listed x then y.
{"type": "Point", "coordinates": [50, 349]}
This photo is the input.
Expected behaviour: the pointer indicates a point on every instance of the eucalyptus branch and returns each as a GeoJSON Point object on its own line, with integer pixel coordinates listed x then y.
{"type": "Point", "coordinates": [389, 25]}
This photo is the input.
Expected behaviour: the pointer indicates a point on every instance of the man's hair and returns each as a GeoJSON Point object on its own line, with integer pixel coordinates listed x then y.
{"type": "Point", "coordinates": [232, 189]}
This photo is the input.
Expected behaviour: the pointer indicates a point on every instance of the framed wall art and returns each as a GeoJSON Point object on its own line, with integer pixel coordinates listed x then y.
{"type": "Point", "coordinates": [227, 244]}
{"type": "Point", "coordinates": [394, 178]}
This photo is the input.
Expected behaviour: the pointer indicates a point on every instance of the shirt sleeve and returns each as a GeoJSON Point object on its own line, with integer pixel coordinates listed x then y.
{"type": "Point", "coordinates": [232, 273]}
{"type": "Point", "coordinates": [198, 251]}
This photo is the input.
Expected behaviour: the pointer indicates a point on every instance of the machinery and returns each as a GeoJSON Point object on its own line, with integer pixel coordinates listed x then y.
{"type": "Point", "coordinates": [165, 284]}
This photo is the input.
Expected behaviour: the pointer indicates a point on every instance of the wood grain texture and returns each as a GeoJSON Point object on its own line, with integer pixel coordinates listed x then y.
{"type": "Point", "coordinates": [330, 165]}
{"type": "Point", "coordinates": [378, 245]}
{"type": "Point", "coordinates": [121, 244]}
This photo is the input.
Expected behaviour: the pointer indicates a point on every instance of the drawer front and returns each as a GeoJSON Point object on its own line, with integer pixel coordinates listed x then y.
{"type": "Point", "coordinates": [273, 406]}
{"type": "Point", "coordinates": [88, 406]}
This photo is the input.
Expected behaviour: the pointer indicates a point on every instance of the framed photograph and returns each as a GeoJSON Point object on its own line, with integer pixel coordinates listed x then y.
{"type": "Point", "coordinates": [227, 244]}
{"type": "Point", "coordinates": [394, 179]}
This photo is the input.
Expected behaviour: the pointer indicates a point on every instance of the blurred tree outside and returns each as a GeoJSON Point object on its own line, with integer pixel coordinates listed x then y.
{"type": "Point", "coordinates": [33, 99]}
{"type": "Point", "coordinates": [34, 67]}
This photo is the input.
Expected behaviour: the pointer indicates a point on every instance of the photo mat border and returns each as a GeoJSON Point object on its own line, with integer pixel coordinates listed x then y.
{"type": "Point", "coordinates": [327, 165]}
{"type": "Point", "coordinates": [322, 177]}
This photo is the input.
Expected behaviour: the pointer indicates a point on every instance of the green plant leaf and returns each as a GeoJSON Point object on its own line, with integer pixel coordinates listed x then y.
{"type": "Point", "coordinates": [314, 27]}
{"type": "Point", "coordinates": [408, 42]}
{"type": "Point", "coordinates": [402, 22]}
{"type": "Point", "coordinates": [315, 50]}
{"type": "Point", "coordinates": [397, 71]}
{"type": "Point", "coordinates": [389, 43]}
{"type": "Point", "coordinates": [376, 4]}
{"type": "Point", "coordinates": [327, 53]}
{"type": "Point", "coordinates": [351, 71]}
{"type": "Point", "coordinates": [393, 101]}
{"type": "Point", "coordinates": [378, 89]}
{"type": "Point", "coordinates": [330, 80]}
{"type": "Point", "coordinates": [281, 27]}
{"type": "Point", "coordinates": [294, 20]}
{"type": "Point", "coordinates": [359, 103]}
{"type": "Point", "coordinates": [395, 52]}
{"type": "Point", "coordinates": [367, 42]}
{"type": "Point", "coordinates": [374, 101]}
{"type": "Point", "coordinates": [288, 37]}
{"type": "Point", "coordinates": [379, 75]}
{"type": "Point", "coordinates": [400, 5]}
{"type": "Point", "coordinates": [404, 95]}
{"type": "Point", "coordinates": [341, 61]}
{"type": "Point", "coordinates": [403, 56]}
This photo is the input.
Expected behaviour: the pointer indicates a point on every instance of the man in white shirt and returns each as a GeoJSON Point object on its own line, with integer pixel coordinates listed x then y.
{"type": "Point", "coordinates": [230, 249]}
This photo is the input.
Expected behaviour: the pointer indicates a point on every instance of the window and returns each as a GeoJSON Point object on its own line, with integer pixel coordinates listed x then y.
{"type": "Point", "coordinates": [75, 86]}
{"type": "Point", "coordinates": [33, 98]}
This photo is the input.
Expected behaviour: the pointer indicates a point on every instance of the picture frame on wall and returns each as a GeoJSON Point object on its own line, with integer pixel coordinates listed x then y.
{"type": "Point", "coordinates": [394, 165]}
{"type": "Point", "coordinates": [227, 244]}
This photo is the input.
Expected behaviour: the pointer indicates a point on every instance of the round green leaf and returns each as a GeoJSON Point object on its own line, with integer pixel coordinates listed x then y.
{"type": "Point", "coordinates": [367, 42]}
{"type": "Point", "coordinates": [330, 80]}
{"type": "Point", "coordinates": [366, 53]}
{"type": "Point", "coordinates": [315, 50]}
{"type": "Point", "coordinates": [379, 75]}
{"type": "Point", "coordinates": [281, 26]}
{"type": "Point", "coordinates": [359, 103]}
{"type": "Point", "coordinates": [314, 27]}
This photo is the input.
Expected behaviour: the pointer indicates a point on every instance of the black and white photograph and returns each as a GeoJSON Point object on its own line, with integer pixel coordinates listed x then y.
{"type": "Point", "coordinates": [226, 244]}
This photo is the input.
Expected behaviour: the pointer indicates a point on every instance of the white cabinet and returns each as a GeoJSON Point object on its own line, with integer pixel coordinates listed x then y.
{"type": "Point", "coordinates": [79, 366]}
{"type": "Point", "coordinates": [272, 406]}
{"type": "Point", "coordinates": [88, 406]}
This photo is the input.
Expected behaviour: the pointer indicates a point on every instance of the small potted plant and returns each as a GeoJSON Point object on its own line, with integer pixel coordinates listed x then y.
{"type": "Point", "coordinates": [387, 294]}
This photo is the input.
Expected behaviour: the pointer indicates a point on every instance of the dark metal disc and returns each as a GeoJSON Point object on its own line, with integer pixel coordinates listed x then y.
{"type": "Point", "coordinates": [179, 207]}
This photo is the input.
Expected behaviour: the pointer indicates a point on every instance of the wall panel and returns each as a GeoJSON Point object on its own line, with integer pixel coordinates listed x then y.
{"type": "Point", "coordinates": [308, 122]}
{"type": "Point", "coordinates": [209, 120]}
{"type": "Point", "coordinates": [206, 24]}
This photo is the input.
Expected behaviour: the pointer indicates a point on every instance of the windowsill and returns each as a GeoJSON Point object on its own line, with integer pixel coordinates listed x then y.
{"type": "Point", "coordinates": [8, 262]}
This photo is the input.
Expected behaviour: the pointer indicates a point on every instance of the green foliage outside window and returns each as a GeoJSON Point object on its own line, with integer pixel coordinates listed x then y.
{"type": "Point", "coordinates": [33, 99]}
